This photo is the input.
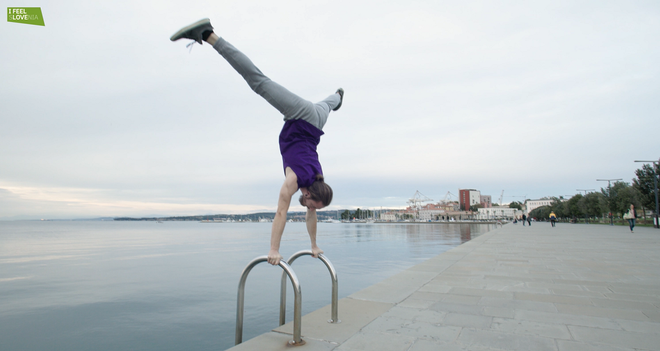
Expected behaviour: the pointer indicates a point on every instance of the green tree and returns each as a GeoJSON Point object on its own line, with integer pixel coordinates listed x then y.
{"type": "Point", "coordinates": [610, 196]}
{"type": "Point", "coordinates": [593, 204]}
{"type": "Point", "coordinates": [572, 207]}
{"type": "Point", "coordinates": [541, 213]}
{"type": "Point", "coordinates": [475, 208]}
{"type": "Point", "coordinates": [645, 186]}
{"type": "Point", "coordinates": [346, 215]}
{"type": "Point", "coordinates": [559, 207]}
{"type": "Point", "coordinates": [622, 195]}
{"type": "Point", "coordinates": [516, 204]}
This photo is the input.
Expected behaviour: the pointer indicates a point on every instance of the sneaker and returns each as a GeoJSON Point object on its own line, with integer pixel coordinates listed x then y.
{"type": "Point", "coordinates": [193, 31]}
{"type": "Point", "coordinates": [339, 91]}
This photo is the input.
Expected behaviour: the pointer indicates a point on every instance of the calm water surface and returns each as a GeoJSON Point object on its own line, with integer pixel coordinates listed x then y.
{"type": "Point", "coordinates": [172, 286]}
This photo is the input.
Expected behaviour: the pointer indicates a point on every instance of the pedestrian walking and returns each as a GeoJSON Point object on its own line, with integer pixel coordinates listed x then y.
{"type": "Point", "coordinates": [553, 218]}
{"type": "Point", "coordinates": [630, 216]}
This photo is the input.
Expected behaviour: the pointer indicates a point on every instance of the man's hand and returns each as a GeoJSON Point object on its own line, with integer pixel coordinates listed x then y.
{"type": "Point", "coordinates": [316, 251]}
{"type": "Point", "coordinates": [274, 257]}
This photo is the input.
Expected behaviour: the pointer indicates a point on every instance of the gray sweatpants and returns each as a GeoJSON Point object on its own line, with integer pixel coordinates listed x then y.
{"type": "Point", "coordinates": [289, 104]}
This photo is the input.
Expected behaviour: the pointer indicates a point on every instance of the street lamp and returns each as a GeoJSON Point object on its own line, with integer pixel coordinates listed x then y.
{"type": "Point", "coordinates": [655, 186]}
{"type": "Point", "coordinates": [609, 193]}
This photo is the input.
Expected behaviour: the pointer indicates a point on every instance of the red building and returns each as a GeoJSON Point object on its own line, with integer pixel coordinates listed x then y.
{"type": "Point", "coordinates": [467, 198]}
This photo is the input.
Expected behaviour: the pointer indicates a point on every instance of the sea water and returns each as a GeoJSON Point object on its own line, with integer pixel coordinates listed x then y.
{"type": "Point", "coordinates": [111, 285]}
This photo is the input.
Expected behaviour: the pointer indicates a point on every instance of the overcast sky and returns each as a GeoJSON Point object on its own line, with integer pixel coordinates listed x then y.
{"type": "Point", "coordinates": [103, 116]}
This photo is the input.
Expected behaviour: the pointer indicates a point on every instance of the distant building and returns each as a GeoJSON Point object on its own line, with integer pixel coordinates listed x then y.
{"type": "Point", "coordinates": [430, 212]}
{"type": "Point", "coordinates": [388, 216]}
{"type": "Point", "coordinates": [449, 206]}
{"type": "Point", "coordinates": [531, 205]}
{"type": "Point", "coordinates": [486, 201]}
{"type": "Point", "coordinates": [468, 198]}
{"type": "Point", "coordinates": [499, 213]}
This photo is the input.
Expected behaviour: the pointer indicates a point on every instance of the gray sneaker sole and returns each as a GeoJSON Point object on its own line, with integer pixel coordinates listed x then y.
{"type": "Point", "coordinates": [179, 35]}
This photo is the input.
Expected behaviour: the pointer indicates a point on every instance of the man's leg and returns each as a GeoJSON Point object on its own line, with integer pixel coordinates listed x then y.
{"type": "Point", "coordinates": [323, 109]}
{"type": "Point", "coordinates": [289, 104]}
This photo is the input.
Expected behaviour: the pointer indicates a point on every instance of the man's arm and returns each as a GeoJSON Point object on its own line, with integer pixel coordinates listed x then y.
{"type": "Point", "coordinates": [310, 220]}
{"type": "Point", "coordinates": [289, 188]}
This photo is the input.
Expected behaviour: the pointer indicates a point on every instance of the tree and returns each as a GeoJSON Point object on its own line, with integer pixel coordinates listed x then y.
{"type": "Point", "coordinates": [572, 208]}
{"type": "Point", "coordinates": [346, 215]}
{"type": "Point", "coordinates": [645, 186]}
{"type": "Point", "coordinates": [626, 197]}
{"type": "Point", "coordinates": [542, 212]}
{"type": "Point", "coordinates": [515, 204]}
{"type": "Point", "coordinates": [622, 195]}
{"type": "Point", "coordinates": [475, 208]}
{"type": "Point", "coordinates": [559, 207]}
{"type": "Point", "coordinates": [593, 204]}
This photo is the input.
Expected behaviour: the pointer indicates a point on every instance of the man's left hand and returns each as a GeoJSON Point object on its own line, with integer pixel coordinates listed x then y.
{"type": "Point", "coordinates": [316, 251]}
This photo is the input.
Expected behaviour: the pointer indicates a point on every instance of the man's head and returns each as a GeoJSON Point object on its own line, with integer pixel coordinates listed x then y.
{"type": "Point", "coordinates": [317, 195]}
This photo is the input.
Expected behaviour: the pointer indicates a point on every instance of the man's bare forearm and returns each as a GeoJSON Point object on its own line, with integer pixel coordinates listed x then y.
{"type": "Point", "coordinates": [311, 220]}
{"type": "Point", "coordinates": [277, 229]}
{"type": "Point", "coordinates": [289, 188]}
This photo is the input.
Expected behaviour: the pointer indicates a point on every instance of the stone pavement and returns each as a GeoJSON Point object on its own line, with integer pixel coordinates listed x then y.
{"type": "Point", "coordinates": [569, 288]}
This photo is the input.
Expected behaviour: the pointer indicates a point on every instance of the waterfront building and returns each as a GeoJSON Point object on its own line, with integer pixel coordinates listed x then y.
{"type": "Point", "coordinates": [388, 216]}
{"type": "Point", "coordinates": [531, 205]}
{"type": "Point", "coordinates": [468, 197]}
{"type": "Point", "coordinates": [499, 213]}
{"type": "Point", "coordinates": [457, 216]}
{"type": "Point", "coordinates": [486, 201]}
{"type": "Point", "coordinates": [430, 212]}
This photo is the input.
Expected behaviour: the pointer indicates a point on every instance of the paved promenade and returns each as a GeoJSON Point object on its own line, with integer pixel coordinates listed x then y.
{"type": "Point", "coordinates": [574, 287]}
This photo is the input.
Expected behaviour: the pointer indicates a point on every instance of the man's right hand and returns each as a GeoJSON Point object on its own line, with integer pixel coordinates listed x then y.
{"type": "Point", "coordinates": [274, 257]}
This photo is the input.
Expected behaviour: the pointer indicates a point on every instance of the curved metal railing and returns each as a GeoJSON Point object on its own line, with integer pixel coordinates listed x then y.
{"type": "Point", "coordinates": [333, 276]}
{"type": "Point", "coordinates": [297, 339]}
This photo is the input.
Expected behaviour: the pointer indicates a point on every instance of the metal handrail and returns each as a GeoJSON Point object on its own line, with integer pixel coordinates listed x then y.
{"type": "Point", "coordinates": [333, 276]}
{"type": "Point", "coordinates": [297, 339]}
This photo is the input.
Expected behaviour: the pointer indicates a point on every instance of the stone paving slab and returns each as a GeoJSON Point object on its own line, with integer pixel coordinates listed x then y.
{"type": "Point", "coordinates": [354, 315]}
{"type": "Point", "coordinates": [568, 288]}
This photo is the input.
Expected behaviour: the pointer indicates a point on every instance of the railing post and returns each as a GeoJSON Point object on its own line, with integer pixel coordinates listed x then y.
{"type": "Point", "coordinates": [297, 319]}
{"type": "Point", "coordinates": [335, 287]}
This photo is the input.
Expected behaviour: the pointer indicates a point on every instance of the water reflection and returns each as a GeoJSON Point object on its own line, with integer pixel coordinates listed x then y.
{"type": "Point", "coordinates": [415, 232]}
{"type": "Point", "coordinates": [465, 234]}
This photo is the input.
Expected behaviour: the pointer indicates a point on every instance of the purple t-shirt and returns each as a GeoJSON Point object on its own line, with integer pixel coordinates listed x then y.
{"type": "Point", "coordinates": [298, 141]}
